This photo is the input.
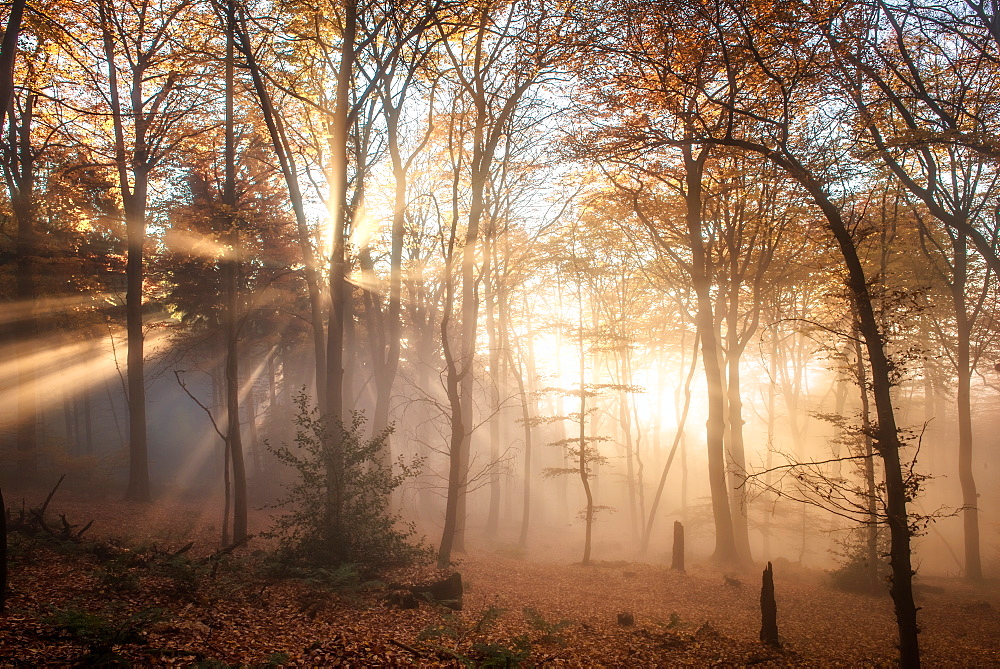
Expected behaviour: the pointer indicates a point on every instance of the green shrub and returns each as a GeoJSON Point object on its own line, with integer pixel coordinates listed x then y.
{"type": "Point", "coordinates": [338, 509]}
{"type": "Point", "coordinates": [550, 630]}
{"type": "Point", "coordinates": [116, 576]}
{"type": "Point", "coordinates": [500, 655]}
{"type": "Point", "coordinates": [102, 631]}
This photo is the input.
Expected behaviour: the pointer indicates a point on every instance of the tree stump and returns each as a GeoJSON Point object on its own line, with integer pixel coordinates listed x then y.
{"type": "Point", "coordinates": [768, 610]}
{"type": "Point", "coordinates": [677, 559]}
{"type": "Point", "coordinates": [447, 592]}
{"type": "Point", "coordinates": [402, 599]}
{"type": "Point", "coordinates": [626, 619]}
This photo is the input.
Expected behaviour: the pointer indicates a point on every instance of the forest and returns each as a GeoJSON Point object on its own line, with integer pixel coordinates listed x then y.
{"type": "Point", "coordinates": [499, 332]}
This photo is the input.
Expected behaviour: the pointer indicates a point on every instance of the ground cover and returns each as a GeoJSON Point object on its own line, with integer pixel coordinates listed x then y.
{"type": "Point", "coordinates": [147, 585]}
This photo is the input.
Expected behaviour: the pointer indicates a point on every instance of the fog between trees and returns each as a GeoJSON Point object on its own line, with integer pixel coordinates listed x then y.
{"type": "Point", "coordinates": [599, 267]}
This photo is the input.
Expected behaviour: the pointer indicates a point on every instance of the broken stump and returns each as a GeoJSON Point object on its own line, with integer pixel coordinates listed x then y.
{"type": "Point", "coordinates": [402, 600]}
{"type": "Point", "coordinates": [768, 610]}
{"type": "Point", "coordinates": [447, 592]}
{"type": "Point", "coordinates": [677, 560]}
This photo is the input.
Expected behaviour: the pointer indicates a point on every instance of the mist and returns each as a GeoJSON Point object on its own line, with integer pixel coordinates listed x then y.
{"type": "Point", "coordinates": [366, 301]}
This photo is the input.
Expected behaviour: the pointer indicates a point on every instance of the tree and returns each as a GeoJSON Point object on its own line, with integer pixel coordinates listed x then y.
{"type": "Point", "coordinates": [687, 180]}
{"type": "Point", "coordinates": [363, 531]}
{"type": "Point", "coordinates": [283, 149]}
{"type": "Point", "coordinates": [8, 49]}
{"type": "Point", "coordinates": [751, 216]}
{"type": "Point", "coordinates": [926, 111]}
{"type": "Point", "coordinates": [969, 285]}
{"type": "Point", "coordinates": [494, 70]}
{"type": "Point", "coordinates": [756, 76]}
{"type": "Point", "coordinates": [675, 103]}
{"type": "Point", "coordinates": [161, 98]}
{"type": "Point", "coordinates": [582, 449]}
{"type": "Point", "coordinates": [398, 66]}
{"type": "Point", "coordinates": [18, 163]}
{"type": "Point", "coordinates": [230, 275]}
{"type": "Point", "coordinates": [812, 172]}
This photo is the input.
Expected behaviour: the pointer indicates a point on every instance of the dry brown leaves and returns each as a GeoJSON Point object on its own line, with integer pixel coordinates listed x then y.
{"type": "Point", "coordinates": [551, 614]}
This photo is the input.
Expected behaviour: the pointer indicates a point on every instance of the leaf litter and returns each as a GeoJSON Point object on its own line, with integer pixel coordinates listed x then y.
{"type": "Point", "coordinates": [124, 596]}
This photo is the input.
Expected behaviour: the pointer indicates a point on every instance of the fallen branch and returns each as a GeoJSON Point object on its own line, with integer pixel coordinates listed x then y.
{"type": "Point", "coordinates": [222, 552]}
{"type": "Point", "coordinates": [52, 492]}
{"type": "Point", "coordinates": [183, 549]}
{"type": "Point", "coordinates": [32, 521]}
{"type": "Point", "coordinates": [68, 528]}
{"type": "Point", "coordinates": [411, 649]}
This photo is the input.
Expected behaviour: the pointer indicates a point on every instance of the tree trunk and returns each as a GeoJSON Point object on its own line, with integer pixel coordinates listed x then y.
{"type": "Point", "coordinates": [88, 422]}
{"type": "Point", "coordinates": [338, 142]}
{"type": "Point", "coordinates": [886, 434]}
{"type": "Point", "coordinates": [887, 441]}
{"type": "Point", "coordinates": [455, 473]}
{"type": "Point", "coordinates": [640, 467]}
{"type": "Point", "coordinates": [134, 199]}
{"type": "Point", "coordinates": [138, 480]}
{"type": "Point", "coordinates": [737, 456]}
{"type": "Point", "coordinates": [8, 54]}
{"type": "Point", "coordinates": [71, 442]}
{"type": "Point", "coordinates": [523, 395]}
{"type": "Point", "coordinates": [678, 436]}
{"type": "Point", "coordinates": [791, 389]}
{"type": "Point", "coordinates": [230, 277]}
{"type": "Point", "coordinates": [725, 542]}
{"type": "Point", "coordinates": [388, 354]}
{"type": "Point", "coordinates": [526, 422]}
{"type": "Point", "coordinates": [255, 454]}
{"type": "Point", "coordinates": [771, 409]}
{"type": "Point", "coordinates": [871, 494]}
{"type": "Point", "coordinates": [470, 319]}
{"type": "Point", "coordinates": [492, 287]}
{"type": "Point", "coordinates": [280, 144]}
{"type": "Point", "coordinates": [21, 181]}
{"type": "Point", "coordinates": [963, 332]}
{"type": "Point", "coordinates": [624, 420]}
{"type": "Point", "coordinates": [584, 469]}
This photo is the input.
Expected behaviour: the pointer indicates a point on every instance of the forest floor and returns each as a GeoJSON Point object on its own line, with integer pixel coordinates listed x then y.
{"type": "Point", "coordinates": [126, 593]}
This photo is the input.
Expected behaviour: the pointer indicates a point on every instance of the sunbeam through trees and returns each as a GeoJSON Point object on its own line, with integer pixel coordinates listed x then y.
{"type": "Point", "coordinates": [499, 333]}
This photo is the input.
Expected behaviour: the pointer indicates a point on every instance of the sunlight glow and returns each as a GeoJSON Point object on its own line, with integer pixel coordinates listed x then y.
{"type": "Point", "coordinates": [67, 368]}
{"type": "Point", "coordinates": [194, 244]}
{"type": "Point", "coordinates": [13, 312]}
{"type": "Point", "coordinates": [363, 228]}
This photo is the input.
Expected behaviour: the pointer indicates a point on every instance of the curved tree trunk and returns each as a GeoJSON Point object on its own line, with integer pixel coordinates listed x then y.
{"type": "Point", "coordinates": [886, 433]}
{"type": "Point", "coordinates": [280, 144]}
{"type": "Point", "coordinates": [725, 542]}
